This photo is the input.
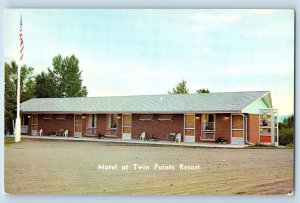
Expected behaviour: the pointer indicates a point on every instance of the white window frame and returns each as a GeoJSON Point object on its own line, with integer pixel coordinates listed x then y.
{"type": "Point", "coordinates": [170, 116]}
{"type": "Point", "coordinates": [146, 119]}
{"type": "Point", "coordinates": [64, 118]}
{"type": "Point", "coordinates": [95, 121]}
{"type": "Point", "coordinates": [109, 122]}
{"type": "Point", "coordinates": [208, 131]}
{"type": "Point", "coordinates": [48, 116]}
{"type": "Point", "coordinates": [209, 122]}
{"type": "Point", "coordinates": [194, 128]}
{"type": "Point", "coordinates": [273, 113]}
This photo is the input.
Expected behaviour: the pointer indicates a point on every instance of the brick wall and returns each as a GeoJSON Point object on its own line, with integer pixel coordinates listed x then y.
{"type": "Point", "coordinates": [253, 128]}
{"type": "Point", "coordinates": [155, 127]}
{"type": "Point", "coordinates": [223, 127]}
{"type": "Point", "coordinates": [52, 125]}
{"type": "Point", "coordinates": [101, 124]}
{"type": "Point", "coordinates": [47, 125]}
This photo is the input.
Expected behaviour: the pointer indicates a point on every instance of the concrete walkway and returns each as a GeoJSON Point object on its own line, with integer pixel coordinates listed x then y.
{"type": "Point", "coordinates": [111, 140]}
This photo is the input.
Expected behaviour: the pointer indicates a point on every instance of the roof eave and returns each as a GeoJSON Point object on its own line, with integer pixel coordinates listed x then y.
{"type": "Point", "coordinates": [130, 112]}
{"type": "Point", "coordinates": [242, 111]}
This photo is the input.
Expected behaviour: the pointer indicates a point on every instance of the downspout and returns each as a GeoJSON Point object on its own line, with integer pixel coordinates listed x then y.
{"type": "Point", "coordinates": [246, 130]}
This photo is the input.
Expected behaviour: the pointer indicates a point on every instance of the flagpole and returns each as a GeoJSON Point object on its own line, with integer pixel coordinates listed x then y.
{"type": "Point", "coordinates": [18, 119]}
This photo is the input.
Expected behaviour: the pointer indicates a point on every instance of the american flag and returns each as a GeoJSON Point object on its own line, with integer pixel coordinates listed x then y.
{"type": "Point", "coordinates": [21, 41]}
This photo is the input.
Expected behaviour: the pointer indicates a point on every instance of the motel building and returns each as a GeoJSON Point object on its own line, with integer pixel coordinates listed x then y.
{"type": "Point", "coordinates": [239, 117]}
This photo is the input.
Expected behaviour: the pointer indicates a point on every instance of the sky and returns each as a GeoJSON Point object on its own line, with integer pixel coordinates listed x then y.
{"type": "Point", "coordinates": [145, 52]}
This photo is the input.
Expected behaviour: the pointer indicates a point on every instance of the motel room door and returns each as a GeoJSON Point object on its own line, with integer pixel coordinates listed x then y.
{"type": "Point", "coordinates": [126, 127]}
{"type": "Point", "coordinates": [77, 125]}
{"type": "Point", "coordinates": [35, 125]}
{"type": "Point", "coordinates": [189, 128]}
{"type": "Point", "coordinates": [237, 129]}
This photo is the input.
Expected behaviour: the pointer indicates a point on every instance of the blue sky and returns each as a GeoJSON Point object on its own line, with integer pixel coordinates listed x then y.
{"type": "Point", "coordinates": [133, 52]}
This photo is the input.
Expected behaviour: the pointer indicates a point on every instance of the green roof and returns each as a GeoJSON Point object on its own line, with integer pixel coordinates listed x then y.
{"type": "Point", "coordinates": [165, 103]}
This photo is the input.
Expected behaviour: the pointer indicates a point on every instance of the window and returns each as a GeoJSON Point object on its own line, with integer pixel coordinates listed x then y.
{"type": "Point", "coordinates": [48, 116]}
{"type": "Point", "coordinates": [90, 124]}
{"type": "Point", "coordinates": [165, 117]}
{"type": "Point", "coordinates": [61, 117]}
{"type": "Point", "coordinates": [189, 125]}
{"type": "Point", "coordinates": [268, 125]}
{"type": "Point", "coordinates": [146, 117]}
{"type": "Point", "coordinates": [24, 129]}
{"type": "Point", "coordinates": [112, 121]}
{"type": "Point", "coordinates": [111, 133]}
{"type": "Point", "coordinates": [89, 131]}
{"type": "Point", "coordinates": [92, 120]}
{"type": "Point", "coordinates": [265, 120]}
{"type": "Point", "coordinates": [208, 136]}
{"type": "Point", "coordinates": [208, 127]}
{"type": "Point", "coordinates": [265, 131]}
{"type": "Point", "coordinates": [208, 122]}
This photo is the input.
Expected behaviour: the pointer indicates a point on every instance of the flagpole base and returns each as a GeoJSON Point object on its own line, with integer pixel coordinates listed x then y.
{"type": "Point", "coordinates": [18, 130]}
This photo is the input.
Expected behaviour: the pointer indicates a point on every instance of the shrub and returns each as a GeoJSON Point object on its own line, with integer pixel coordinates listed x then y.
{"type": "Point", "coordinates": [221, 139]}
{"type": "Point", "coordinates": [286, 136]}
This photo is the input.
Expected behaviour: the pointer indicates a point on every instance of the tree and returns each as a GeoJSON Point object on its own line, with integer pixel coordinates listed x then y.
{"type": "Point", "coordinates": [202, 91]}
{"type": "Point", "coordinates": [286, 131]}
{"type": "Point", "coordinates": [45, 86]}
{"type": "Point", "coordinates": [180, 88]}
{"type": "Point", "coordinates": [289, 122]}
{"type": "Point", "coordinates": [64, 80]}
{"type": "Point", "coordinates": [10, 95]}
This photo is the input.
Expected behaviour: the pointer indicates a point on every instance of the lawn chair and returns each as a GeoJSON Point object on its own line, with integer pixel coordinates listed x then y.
{"type": "Point", "coordinates": [178, 137]}
{"type": "Point", "coordinates": [66, 133]}
{"type": "Point", "coordinates": [171, 136]}
{"type": "Point", "coordinates": [60, 132]}
{"type": "Point", "coordinates": [40, 133]}
{"type": "Point", "coordinates": [143, 136]}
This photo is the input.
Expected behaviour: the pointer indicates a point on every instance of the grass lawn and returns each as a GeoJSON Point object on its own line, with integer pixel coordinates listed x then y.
{"type": "Point", "coordinates": [71, 167]}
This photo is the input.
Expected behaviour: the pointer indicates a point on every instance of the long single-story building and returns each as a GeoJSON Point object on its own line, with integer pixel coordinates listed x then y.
{"type": "Point", "coordinates": [239, 117]}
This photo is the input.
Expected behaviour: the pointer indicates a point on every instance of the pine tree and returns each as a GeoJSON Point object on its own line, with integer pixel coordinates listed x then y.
{"type": "Point", "coordinates": [180, 88]}
{"type": "Point", "coordinates": [202, 91]}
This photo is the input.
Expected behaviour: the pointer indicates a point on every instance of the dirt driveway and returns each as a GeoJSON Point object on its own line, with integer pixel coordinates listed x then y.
{"type": "Point", "coordinates": [70, 167]}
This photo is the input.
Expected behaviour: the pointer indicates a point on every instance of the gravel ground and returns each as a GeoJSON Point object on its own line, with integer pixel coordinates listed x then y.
{"type": "Point", "coordinates": [72, 167]}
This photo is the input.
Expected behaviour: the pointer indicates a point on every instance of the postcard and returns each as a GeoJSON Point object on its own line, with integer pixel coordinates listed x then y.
{"type": "Point", "coordinates": [149, 101]}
